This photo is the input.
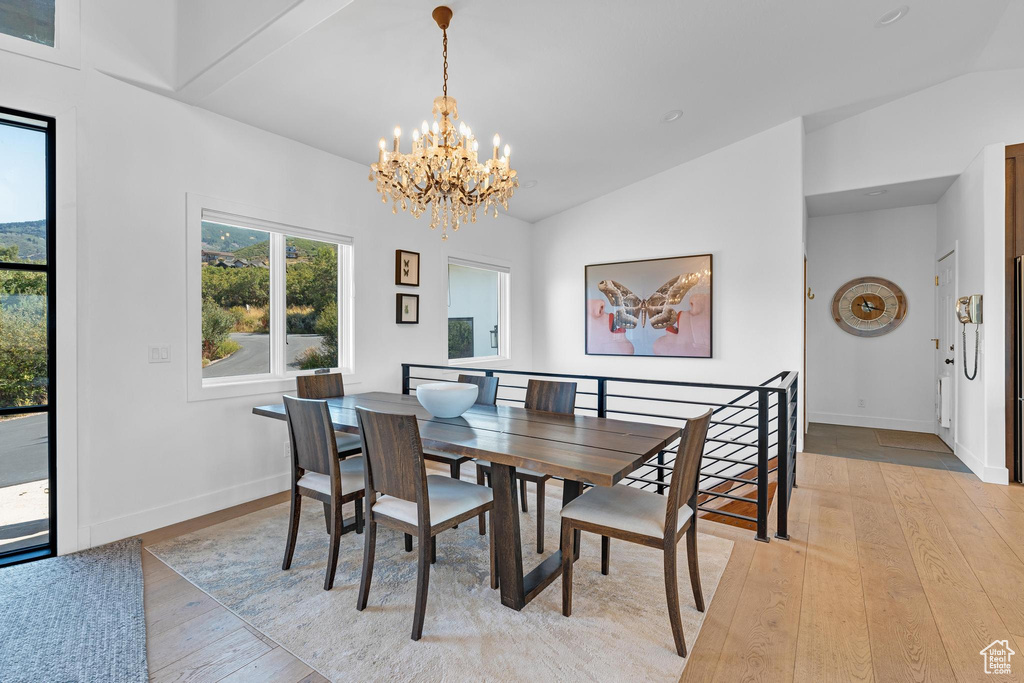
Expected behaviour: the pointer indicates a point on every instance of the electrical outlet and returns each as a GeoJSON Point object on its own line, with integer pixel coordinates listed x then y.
{"type": "Point", "coordinates": [861, 403]}
{"type": "Point", "coordinates": [287, 449]}
{"type": "Point", "coordinates": [160, 354]}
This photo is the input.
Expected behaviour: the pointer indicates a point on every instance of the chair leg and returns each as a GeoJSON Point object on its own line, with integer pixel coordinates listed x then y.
{"type": "Point", "coordinates": [332, 552]}
{"type": "Point", "coordinates": [455, 470]}
{"type": "Point", "coordinates": [522, 494]}
{"type": "Point", "coordinates": [540, 516]}
{"type": "Point", "coordinates": [494, 559]}
{"type": "Point", "coordinates": [482, 518]}
{"type": "Point", "coordinates": [422, 582]}
{"type": "Point", "coordinates": [433, 550]}
{"type": "Point", "coordinates": [369, 548]}
{"type": "Point", "coordinates": [327, 516]}
{"type": "Point", "coordinates": [691, 559]}
{"type": "Point", "coordinates": [567, 538]}
{"type": "Point", "coordinates": [606, 550]}
{"type": "Point", "coordinates": [293, 530]}
{"type": "Point", "coordinates": [672, 594]}
{"type": "Point", "coordinates": [359, 516]}
{"type": "Point", "coordinates": [408, 543]}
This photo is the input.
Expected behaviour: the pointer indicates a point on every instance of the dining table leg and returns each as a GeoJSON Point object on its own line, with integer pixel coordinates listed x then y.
{"type": "Point", "coordinates": [507, 541]}
{"type": "Point", "coordinates": [516, 589]}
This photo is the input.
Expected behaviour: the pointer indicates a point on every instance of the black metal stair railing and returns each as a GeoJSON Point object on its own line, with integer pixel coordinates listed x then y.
{"type": "Point", "coordinates": [753, 431]}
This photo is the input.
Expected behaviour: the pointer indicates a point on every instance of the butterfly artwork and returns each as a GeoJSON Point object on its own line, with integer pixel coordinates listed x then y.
{"type": "Point", "coordinates": [407, 268]}
{"type": "Point", "coordinates": [655, 307]}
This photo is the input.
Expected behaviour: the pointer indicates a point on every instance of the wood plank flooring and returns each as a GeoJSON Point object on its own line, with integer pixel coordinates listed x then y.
{"type": "Point", "coordinates": [892, 573]}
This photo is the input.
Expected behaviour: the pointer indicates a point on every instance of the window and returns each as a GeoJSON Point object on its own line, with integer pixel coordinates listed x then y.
{"type": "Point", "coordinates": [42, 29]}
{"type": "Point", "coordinates": [267, 301]}
{"type": "Point", "coordinates": [27, 333]}
{"type": "Point", "coordinates": [477, 311]}
{"type": "Point", "coordinates": [33, 20]}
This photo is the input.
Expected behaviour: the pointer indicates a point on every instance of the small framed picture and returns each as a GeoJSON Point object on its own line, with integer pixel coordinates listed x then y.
{"type": "Point", "coordinates": [408, 309]}
{"type": "Point", "coordinates": [407, 268]}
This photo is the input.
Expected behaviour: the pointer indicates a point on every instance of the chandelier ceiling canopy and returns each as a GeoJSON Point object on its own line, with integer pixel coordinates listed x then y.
{"type": "Point", "coordinates": [443, 168]}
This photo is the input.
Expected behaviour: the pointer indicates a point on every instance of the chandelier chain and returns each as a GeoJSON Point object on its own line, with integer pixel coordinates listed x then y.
{"type": "Point", "coordinates": [444, 40]}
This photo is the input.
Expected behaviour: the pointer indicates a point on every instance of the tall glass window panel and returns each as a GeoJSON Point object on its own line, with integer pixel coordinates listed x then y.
{"type": "Point", "coordinates": [24, 371]}
{"type": "Point", "coordinates": [24, 482]}
{"type": "Point", "coordinates": [22, 194]}
{"type": "Point", "coordinates": [33, 20]}
{"type": "Point", "coordinates": [311, 296]}
{"type": "Point", "coordinates": [236, 301]}
{"type": "Point", "coordinates": [473, 311]}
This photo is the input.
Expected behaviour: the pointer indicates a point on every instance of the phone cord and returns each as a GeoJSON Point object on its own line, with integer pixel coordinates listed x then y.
{"type": "Point", "coordinates": [977, 339]}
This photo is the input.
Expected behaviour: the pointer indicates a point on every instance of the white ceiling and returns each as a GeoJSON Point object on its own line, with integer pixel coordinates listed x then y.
{"type": "Point", "coordinates": [894, 196]}
{"type": "Point", "coordinates": [578, 87]}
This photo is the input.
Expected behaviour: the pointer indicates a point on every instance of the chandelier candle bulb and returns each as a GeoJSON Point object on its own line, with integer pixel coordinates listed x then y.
{"type": "Point", "coordinates": [508, 154]}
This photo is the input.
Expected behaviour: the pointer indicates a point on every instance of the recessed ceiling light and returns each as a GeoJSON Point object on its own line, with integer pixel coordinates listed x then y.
{"type": "Point", "coordinates": [875, 193]}
{"type": "Point", "coordinates": [530, 183]}
{"type": "Point", "coordinates": [892, 16]}
{"type": "Point", "coordinates": [670, 116]}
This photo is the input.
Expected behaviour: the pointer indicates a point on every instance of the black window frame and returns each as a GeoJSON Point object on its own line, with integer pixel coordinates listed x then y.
{"type": "Point", "coordinates": [48, 126]}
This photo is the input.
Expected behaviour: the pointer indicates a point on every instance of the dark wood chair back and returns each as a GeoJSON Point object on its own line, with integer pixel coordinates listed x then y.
{"type": "Point", "coordinates": [686, 469]}
{"type": "Point", "coordinates": [312, 436]}
{"type": "Point", "coordinates": [393, 454]}
{"type": "Point", "coordinates": [320, 386]}
{"type": "Point", "coordinates": [488, 394]}
{"type": "Point", "coordinates": [551, 397]}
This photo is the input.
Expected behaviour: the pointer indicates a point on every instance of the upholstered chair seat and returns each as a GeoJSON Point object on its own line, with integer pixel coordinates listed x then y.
{"type": "Point", "coordinates": [624, 508]}
{"type": "Point", "coordinates": [448, 498]}
{"type": "Point", "coordinates": [351, 478]}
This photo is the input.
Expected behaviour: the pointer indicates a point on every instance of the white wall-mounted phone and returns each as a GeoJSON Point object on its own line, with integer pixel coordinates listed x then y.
{"type": "Point", "coordinates": [968, 310]}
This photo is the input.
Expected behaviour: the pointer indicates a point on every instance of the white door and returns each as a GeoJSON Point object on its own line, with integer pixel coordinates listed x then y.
{"type": "Point", "coordinates": [945, 354]}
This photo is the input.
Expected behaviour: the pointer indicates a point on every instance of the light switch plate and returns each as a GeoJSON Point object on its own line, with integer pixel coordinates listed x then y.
{"type": "Point", "coordinates": [160, 354]}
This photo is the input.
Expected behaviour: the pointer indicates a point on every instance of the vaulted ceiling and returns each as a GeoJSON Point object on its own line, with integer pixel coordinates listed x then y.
{"type": "Point", "coordinates": [577, 87]}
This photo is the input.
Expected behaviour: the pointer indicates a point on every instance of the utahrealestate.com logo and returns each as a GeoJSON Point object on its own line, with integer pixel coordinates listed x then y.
{"type": "Point", "coordinates": [997, 657]}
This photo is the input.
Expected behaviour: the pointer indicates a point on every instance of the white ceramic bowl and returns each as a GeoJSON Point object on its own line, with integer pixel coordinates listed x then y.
{"type": "Point", "coordinates": [446, 399]}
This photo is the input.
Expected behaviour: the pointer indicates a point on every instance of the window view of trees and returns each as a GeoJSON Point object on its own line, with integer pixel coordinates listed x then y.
{"type": "Point", "coordinates": [23, 364]}
{"type": "Point", "coordinates": [311, 293]}
{"type": "Point", "coordinates": [236, 302]}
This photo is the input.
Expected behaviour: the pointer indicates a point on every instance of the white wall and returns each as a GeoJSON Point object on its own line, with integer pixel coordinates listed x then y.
{"type": "Point", "coordinates": [893, 374]}
{"type": "Point", "coordinates": [929, 134]}
{"type": "Point", "coordinates": [744, 205]}
{"type": "Point", "coordinates": [146, 457]}
{"type": "Point", "coordinates": [970, 219]}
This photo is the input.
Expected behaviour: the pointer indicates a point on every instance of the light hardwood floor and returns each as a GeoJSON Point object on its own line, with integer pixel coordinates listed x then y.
{"type": "Point", "coordinates": [892, 573]}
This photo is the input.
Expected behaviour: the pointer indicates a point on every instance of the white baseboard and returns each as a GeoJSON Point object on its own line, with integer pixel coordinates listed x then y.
{"type": "Point", "coordinates": [926, 426]}
{"type": "Point", "coordinates": [990, 475]}
{"type": "Point", "coordinates": [155, 518]}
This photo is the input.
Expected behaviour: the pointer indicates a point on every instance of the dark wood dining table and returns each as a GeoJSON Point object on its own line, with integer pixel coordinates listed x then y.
{"type": "Point", "coordinates": [580, 449]}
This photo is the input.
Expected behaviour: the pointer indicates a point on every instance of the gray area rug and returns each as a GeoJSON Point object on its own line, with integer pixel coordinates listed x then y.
{"type": "Point", "coordinates": [619, 628]}
{"type": "Point", "coordinates": [75, 618]}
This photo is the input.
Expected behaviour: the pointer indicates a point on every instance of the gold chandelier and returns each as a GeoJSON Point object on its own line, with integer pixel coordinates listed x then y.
{"type": "Point", "coordinates": [443, 169]}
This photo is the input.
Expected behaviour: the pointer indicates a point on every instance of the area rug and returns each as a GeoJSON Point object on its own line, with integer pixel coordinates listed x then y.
{"type": "Point", "coordinates": [914, 441]}
{"type": "Point", "coordinates": [619, 627]}
{"type": "Point", "coordinates": [75, 618]}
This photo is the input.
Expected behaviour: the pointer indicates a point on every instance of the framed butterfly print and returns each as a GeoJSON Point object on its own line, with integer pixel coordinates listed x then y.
{"type": "Point", "coordinates": [407, 268]}
{"type": "Point", "coordinates": [655, 307]}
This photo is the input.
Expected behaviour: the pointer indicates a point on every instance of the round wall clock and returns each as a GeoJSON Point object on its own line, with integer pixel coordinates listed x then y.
{"type": "Point", "coordinates": [869, 306]}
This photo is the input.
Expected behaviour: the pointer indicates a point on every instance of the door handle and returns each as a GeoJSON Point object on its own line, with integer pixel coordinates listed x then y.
{"type": "Point", "coordinates": [948, 361]}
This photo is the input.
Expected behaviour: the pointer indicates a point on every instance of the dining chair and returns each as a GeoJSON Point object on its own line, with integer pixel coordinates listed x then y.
{"type": "Point", "coordinates": [544, 396]}
{"type": "Point", "coordinates": [487, 395]}
{"type": "Point", "coordinates": [637, 516]}
{"type": "Point", "coordinates": [318, 473]}
{"type": "Point", "coordinates": [329, 385]}
{"type": "Point", "coordinates": [411, 501]}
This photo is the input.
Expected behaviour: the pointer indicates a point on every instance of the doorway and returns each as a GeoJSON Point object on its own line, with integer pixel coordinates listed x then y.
{"type": "Point", "coordinates": [27, 337]}
{"type": "Point", "coordinates": [945, 347]}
